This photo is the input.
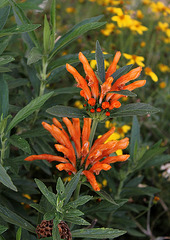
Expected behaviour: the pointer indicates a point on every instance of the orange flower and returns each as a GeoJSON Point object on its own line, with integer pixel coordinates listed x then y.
{"type": "Point", "coordinates": [92, 160]}
{"type": "Point", "coordinates": [98, 95]}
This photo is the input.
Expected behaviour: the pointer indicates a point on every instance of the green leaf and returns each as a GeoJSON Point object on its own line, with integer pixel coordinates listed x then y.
{"type": "Point", "coordinates": [34, 56]}
{"type": "Point", "coordinates": [78, 202]}
{"type": "Point", "coordinates": [73, 213]}
{"type": "Point", "coordinates": [38, 207]}
{"type": "Point", "coordinates": [106, 196]}
{"type": "Point", "coordinates": [71, 186]}
{"type": "Point", "coordinates": [46, 35]}
{"type": "Point", "coordinates": [157, 161]}
{"type": "Point", "coordinates": [136, 191]}
{"type": "Point", "coordinates": [21, 18]}
{"type": "Point", "coordinates": [6, 59]}
{"type": "Point", "coordinates": [66, 90]}
{"type": "Point", "coordinates": [29, 109]}
{"type": "Point", "coordinates": [121, 71]}
{"type": "Point", "coordinates": [15, 219]}
{"type": "Point", "coordinates": [76, 220]}
{"type": "Point", "coordinates": [49, 215]}
{"type": "Point", "coordinates": [4, 43]}
{"type": "Point", "coordinates": [63, 111]}
{"type": "Point", "coordinates": [20, 143]}
{"type": "Point", "coordinates": [98, 233]}
{"type": "Point", "coordinates": [19, 29]}
{"type": "Point", "coordinates": [4, 69]}
{"type": "Point", "coordinates": [60, 188]}
{"type": "Point", "coordinates": [5, 179]}
{"type": "Point", "coordinates": [51, 197]}
{"type": "Point", "coordinates": [154, 151]}
{"type": "Point", "coordinates": [14, 83]}
{"type": "Point", "coordinates": [4, 13]}
{"type": "Point", "coordinates": [53, 23]}
{"type": "Point", "coordinates": [4, 97]}
{"type": "Point", "coordinates": [3, 3]}
{"type": "Point", "coordinates": [18, 235]}
{"type": "Point", "coordinates": [100, 62]}
{"type": "Point", "coordinates": [76, 31]}
{"type": "Point", "coordinates": [135, 136]}
{"type": "Point", "coordinates": [134, 109]}
{"type": "Point", "coordinates": [2, 229]}
{"type": "Point", "coordinates": [125, 93]}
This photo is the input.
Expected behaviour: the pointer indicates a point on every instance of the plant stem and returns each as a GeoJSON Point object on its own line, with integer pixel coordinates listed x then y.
{"type": "Point", "coordinates": [119, 189]}
{"type": "Point", "coordinates": [93, 130]}
{"type": "Point", "coordinates": [3, 148]}
{"type": "Point", "coordinates": [77, 191]}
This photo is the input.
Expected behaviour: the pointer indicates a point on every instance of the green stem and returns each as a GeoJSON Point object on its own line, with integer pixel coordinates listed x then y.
{"type": "Point", "coordinates": [3, 148]}
{"type": "Point", "coordinates": [93, 130]}
{"type": "Point", "coordinates": [119, 189]}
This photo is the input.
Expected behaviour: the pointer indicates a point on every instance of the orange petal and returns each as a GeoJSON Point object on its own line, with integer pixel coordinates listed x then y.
{"type": "Point", "coordinates": [84, 151]}
{"type": "Point", "coordinates": [120, 158]}
{"type": "Point", "coordinates": [76, 125]}
{"type": "Point", "coordinates": [91, 178]}
{"type": "Point", "coordinates": [58, 124]}
{"type": "Point", "coordinates": [135, 85]}
{"type": "Point", "coordinates": [66, 151]}
{"type": "Point", "coordinates": [86, 130]}
{"type": "Point", "coordinates": [105, 87]}
{"type": "Point", "coordinates": [73, 135]}
{"type": "Point", "coordinates": [133, 74]}
{"type": "Point", "coordinates": [102, 139]}
{"type": "Point", "coordinates": [47, 157]}
{"type": "Point", "coordinates": [80, 80]}
{"type": "Point", "coordinates": [91, 77]}
{"type": "Point", "coordinates": [97, 167]}
{"type": "Point", "coordinates": [68, 167]}
{"type": "Point", "coordinates": [112, 67]}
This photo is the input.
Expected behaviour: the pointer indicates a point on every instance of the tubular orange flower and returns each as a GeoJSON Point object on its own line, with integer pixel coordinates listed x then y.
{"type": "Point", "coordinates": [98, 95]}
{"type": "Point", "coordinates": [90, 160]}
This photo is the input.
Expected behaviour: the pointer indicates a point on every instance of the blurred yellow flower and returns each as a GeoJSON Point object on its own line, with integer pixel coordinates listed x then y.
{"type": "Point", "coordinates": [108, 124]}
{"type": "Point", "coordinates": [109, 29]}
{"type": "Point", "coordinates": [139, 14]}
{"type": "Point", "coordinates": [149, 72]}
{"type": "Point", "coordinates": [124, 99]}
{"type": "Point", "coordinates": [163, 68]}
{"type": "Point", "coordinates": [119, 152]}
{"type": "Point", "coordinates": [159, 7]}
{"type": "Point", "coordinates": [134, 59]}
{"type": "Point", "coordinates": [70, 10]}
{"type": "Point", "coordinates": [137, 26]}
{"type": "Point", "coordinates": [143, 44]}
{"type": "Point", "coordinates": [164, 27]}
{"type": "Point", "coordinates": [122, 20]}
{"type": "Point", "coordinates": [104, 183]}
{"type": "Point", "coordinates": [114, 10]}
{"type": "Point", "coordinates": [146, 2]}
{"type": "Point", "coordinates": [67, 179]}
{"type": "Point", "coordinates": [78, 104]}
{"type": "Point", "coordinates": [162, 84]}
{"type": "Point", "coordinates": [166, 40]}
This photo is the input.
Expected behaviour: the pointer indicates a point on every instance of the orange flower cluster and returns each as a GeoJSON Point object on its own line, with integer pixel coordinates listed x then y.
{"type": "Point", "coordinates": [83, 157]}
{"type": "Point", "coordinates": [99, 97]}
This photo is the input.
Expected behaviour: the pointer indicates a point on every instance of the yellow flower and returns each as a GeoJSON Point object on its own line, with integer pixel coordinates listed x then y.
{"type": "Point", "coordinates": [67, 179]}
{"type": "Point", "coordinates": [159, 7]}
{"type": "Point", "coordinates": [134, 59]}
{"type": "Point", "coordinates": [143, 44]}
{"type": "Point", "coordinates": [146, 2]}
{"type": "Point", "coordinates": [163, 68]}
{"type": "Point", "coordinates": [124, 99]}
{"type": "Point", "coordinates": [70, 10]}
{"type": "Point", "coordinates": [78, 104]}
{"type": "Point", "coordinates": [166, 40]}
{"type": "Point", "coordinates": [122, 20]}
{"type": "Point", "coordinates": [162, 84]}
{"type": "Point", "coordinates": [119, 152]}
{"type": "Point", "coordinates": [108, 124]}
{"type": "Point", "coordinates": [109, 29]}
{"type": "Point", "coordinates": [164, 27]}
{"type": "Point", "coordinates": [114, 136]}
{"type": "Point", "coordinates": [137, 26]}
{"type": "Point", "coordinates": [104, 183]}
{"type": "Point", "coordinates": [114, 10]}
{"type": "Point", "coordinates": [139, 14]}
{"type": "Point", "coordinates": [148, 71]}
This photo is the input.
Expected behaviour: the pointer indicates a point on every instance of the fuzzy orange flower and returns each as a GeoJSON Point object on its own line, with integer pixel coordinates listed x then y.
{"type": "Point", "coordinates": [92, 160]}
{"type": "Point", "coordinates": [98, 94]}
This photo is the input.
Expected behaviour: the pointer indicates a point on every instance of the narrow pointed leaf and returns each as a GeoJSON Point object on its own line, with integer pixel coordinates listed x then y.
{"type": "Point", "coordinates": [3, 3]}
{"type": "Point", "coordinates": [4, 97]}
{"type": "Point", "coordinates": [51, 197]}
{"type": "Point", "coordinates": [15, 219]}
{"type": "Point", "coordinates": [4, 12]}
{"type": "Point", "coordinates": [19, 29]}
{"type": "Point", "coordinates": [63, 111]}
{"type": "Point", "coordinates": [125, 92]}
{"type": "Point", "coordinates": [134, 109]}
{"type": "Point", "coordinates": [135, 136]}
{"type": "Point", "coordinates": [18, 235]}
{"type": "Point", "coordinates": [106, 196]}
{"type": "Point", "coordinates": [2, 229]}
{"type": "Point", "coordinates": [78, 202]}
{"type": "Point", "coordinates": [5, 59]}
{"type": "Point", "coordinates": [29, 109]}
{"type": "Point", "coordinates": [5, 179]}
{"type": "Point", "coordinates": [98, 233]}
{"type": "Point", "coordinates": [34, 56]}
{"type": "Point", "coordinates": [20, 143]}
{"type": "Point", "coordinates": [46, 35]}
{"type": "Point", "coordinates": [71, 186]}
{"type": "Point", "coordinates": [76, 220]}
{"type": "Point", "coordinates": [100, 62]}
